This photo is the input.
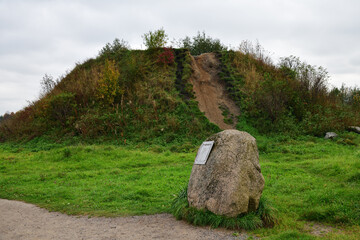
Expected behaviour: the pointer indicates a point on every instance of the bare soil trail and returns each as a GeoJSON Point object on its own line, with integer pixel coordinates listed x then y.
{"type": "Point", "coordinates": [20, 221]}
{"type": "Point", "coordinates": [211, 92]}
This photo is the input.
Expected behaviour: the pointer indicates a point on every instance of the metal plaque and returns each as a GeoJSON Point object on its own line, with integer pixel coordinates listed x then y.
{"type": "Point", "coordinates": [203, 152]}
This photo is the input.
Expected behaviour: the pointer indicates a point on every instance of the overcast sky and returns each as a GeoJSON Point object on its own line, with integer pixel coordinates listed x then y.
{"type": "Point", "coordinates": [39, 37]}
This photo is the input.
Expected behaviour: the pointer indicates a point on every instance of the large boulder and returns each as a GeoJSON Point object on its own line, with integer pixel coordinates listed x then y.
{"type": "Point", "coordinates": [230, 183]}
{"type": "Point", "coordinates": [330, 135]}
{"type": "Point", "coordinates": [354, 129]}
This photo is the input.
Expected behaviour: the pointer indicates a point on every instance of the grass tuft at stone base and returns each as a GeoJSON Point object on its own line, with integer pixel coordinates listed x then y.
{"type": "Point", "coordinates": [264, 216]}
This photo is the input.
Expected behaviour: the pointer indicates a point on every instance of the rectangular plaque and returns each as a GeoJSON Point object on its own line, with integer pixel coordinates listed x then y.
{"type": "Point", "coordinates": [203, 152]}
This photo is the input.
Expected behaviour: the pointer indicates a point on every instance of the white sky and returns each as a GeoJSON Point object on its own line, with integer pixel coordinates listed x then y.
{"type": "Point", "coordinates": [38, 36]}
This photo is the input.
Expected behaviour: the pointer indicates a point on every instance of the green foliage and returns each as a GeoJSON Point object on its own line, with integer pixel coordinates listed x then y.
{"type": "Point", "coordinates": [263, 217]}
{"type": "Point", "coordinates": [47, 84]}
{"type": "Point", "coordinates": [346, 96]}
{"type": "Point", "coordinates": [108, 87]}
{"type": "Point", "coordinates": [202, 44]}
{"type": "Point", "coordinates": [312, 80]}
{"type": "Point", "coordinates": [228, 118]}
{"type": "Point", "coordinates": [291, 98]}
{"type": "Point", "coordinates": [117, 47]}
{"type": "Point", "coordinates": [62, 108]}
{"type": "Point", "coordinates": [183, 74]}
{"type": "Point", "coordinates": [292, 234]}
{"type": "Point", "coordinates": [91, 124]}
{"type": "Point", "coordinates": [256, 51]}
{"type": "Point", "coordinates": [156, 39]}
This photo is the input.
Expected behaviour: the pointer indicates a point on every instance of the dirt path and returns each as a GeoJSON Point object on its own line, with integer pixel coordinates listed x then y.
{"type": "Point", "coordinates": [211, 93]}
{"type": "Point", "coordinates": [20, 220]}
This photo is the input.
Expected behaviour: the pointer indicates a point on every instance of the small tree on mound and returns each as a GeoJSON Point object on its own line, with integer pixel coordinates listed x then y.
{"type": "Point", "coordinates": [116, 47]}
{"type": "Point", "coordinates": [202, 44]}
{"type": "Point", "coordinates": [47, 84]}
{"type": "Point", "coordinates": [156, 39]}
{"type": "Point", "coordinates": [108, 86]}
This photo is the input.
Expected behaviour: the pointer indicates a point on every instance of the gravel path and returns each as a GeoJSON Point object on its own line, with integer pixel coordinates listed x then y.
{"type": "Point", "coordinates": [20, 220]}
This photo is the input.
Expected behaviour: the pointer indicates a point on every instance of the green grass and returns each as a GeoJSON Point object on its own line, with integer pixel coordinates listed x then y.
{"type": "Point", "coordinates": [96, 180]}
{"type": "Point", "coordinates": [314, 179]}
{"type": "Point", "coordinates": [292, 235]}
{"type": "Point", "coordinates": [307, 180]}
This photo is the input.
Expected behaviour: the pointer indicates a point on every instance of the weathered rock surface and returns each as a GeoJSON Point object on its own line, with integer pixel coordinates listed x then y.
{"type": "Point", "coordinates": [330, 135]}
{"type": "Point", "coordinates": [230, 183]}
{"type": "Point", "coordinates": [354, 129]}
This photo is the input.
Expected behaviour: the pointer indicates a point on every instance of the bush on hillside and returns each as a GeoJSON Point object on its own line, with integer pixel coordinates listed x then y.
{"type": "Point", "coordinates": [62, 108]}
{"type": "Point", "coordinates": [313, 80]}
{"type": "Point", "coordinates": [291, 97]}
{"type": "Point", "coordinates": [115, 48]}
{"type": "Point", "coordinates": [166, 57]}
{"type": "Point", "coordinates": [346, 96]}
{"type": "Point", "coordinates": [47, 84]}
{"type": "Point", "coordinates": [256, 51]}
{"type": "Point", "coordinates": [108, 85]}
{"type": "Point", "coordinates": [202, 44]}
{"type": "Point", "coordinates": [156, 39]}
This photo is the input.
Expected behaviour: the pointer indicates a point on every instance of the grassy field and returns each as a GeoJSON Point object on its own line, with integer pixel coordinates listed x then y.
{"type": "Point", "coordinates": [308, 180]}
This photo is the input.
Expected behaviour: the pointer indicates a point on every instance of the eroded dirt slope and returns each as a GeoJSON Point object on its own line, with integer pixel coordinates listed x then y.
{"type": "Point", "coordinates": [211, 93]}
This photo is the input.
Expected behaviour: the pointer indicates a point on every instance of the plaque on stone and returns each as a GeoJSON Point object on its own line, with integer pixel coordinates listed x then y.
{"type": "Point", "coordinates": [203, 152]}
{"type": "Point", "coordinates": [231, 182]}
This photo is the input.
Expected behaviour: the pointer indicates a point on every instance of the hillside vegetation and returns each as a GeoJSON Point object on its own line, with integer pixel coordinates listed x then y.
{"type": "Point", "coordinates": [139, 96]}
{"type": "Point", "coordinates": [127, 95]}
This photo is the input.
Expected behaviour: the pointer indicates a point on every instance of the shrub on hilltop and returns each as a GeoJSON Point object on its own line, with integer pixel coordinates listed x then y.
{"type": "Point", "coordinates": [201, 43]}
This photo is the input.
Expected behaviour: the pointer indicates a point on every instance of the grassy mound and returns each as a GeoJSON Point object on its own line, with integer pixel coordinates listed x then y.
{"type": "Point", "coordinates": [146, 96]}
{"type": "Point", "coordinates": [136, 96]}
